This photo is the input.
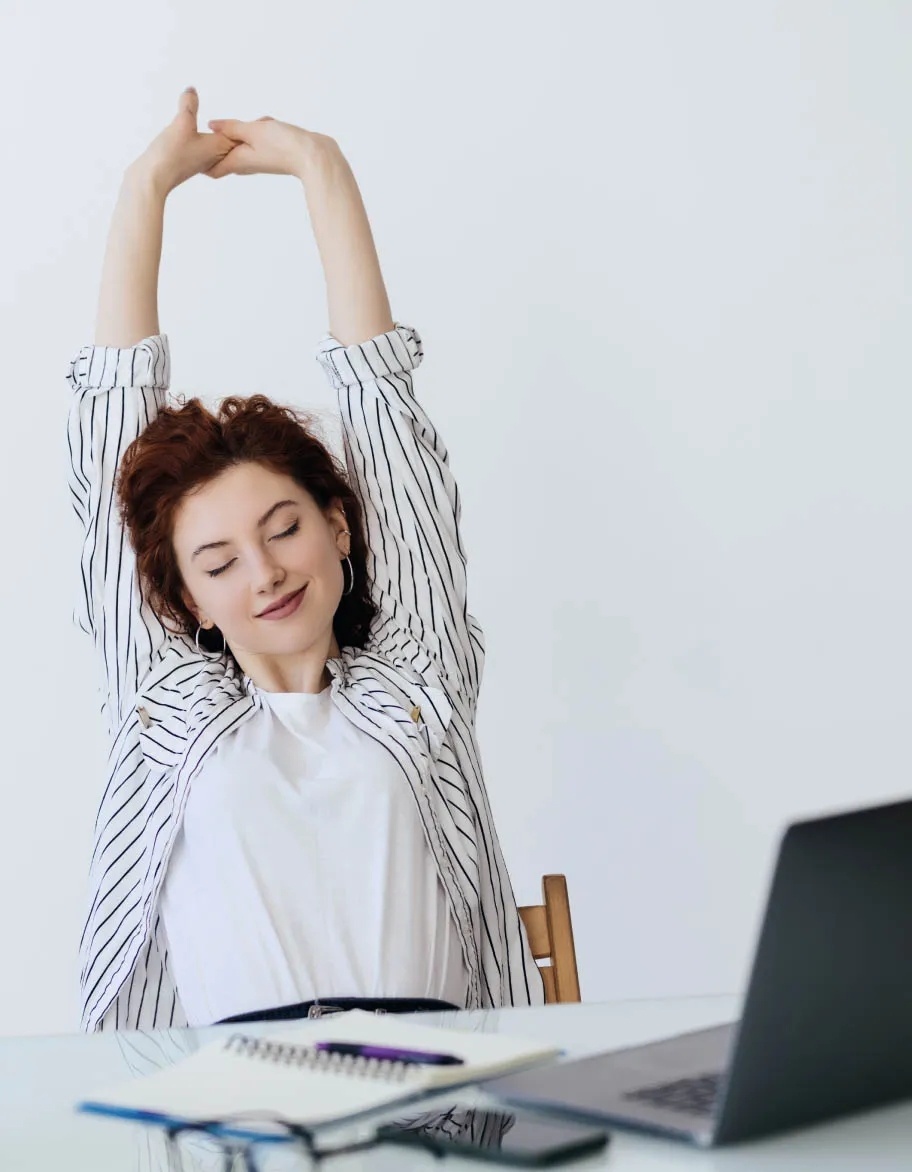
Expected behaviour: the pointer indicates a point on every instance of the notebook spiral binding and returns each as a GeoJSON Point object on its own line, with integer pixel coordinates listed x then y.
{"type": "Point", "coordinates": [307, 1058]}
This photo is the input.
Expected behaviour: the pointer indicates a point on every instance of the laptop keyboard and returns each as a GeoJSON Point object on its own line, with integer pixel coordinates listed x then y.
{"type": "Point", "coordinates": [690, 1096]}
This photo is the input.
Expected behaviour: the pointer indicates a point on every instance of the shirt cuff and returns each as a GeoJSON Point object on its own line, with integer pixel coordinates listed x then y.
{"type": "Point", "coordinates": [101, 368]}
{"type": "Point", "coordinates": [392, 353]}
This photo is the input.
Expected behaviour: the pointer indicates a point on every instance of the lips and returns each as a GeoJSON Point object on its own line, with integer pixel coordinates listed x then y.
{"type": "Point", "coordinates": [281, 603]}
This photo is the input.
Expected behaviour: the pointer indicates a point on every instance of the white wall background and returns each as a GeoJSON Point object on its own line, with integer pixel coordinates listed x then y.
{"type": "Point", "coordinates": [667, 247]}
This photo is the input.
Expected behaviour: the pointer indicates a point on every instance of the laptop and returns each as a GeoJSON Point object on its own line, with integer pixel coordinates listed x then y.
{"type": "Point", "coordinates": [826, 1026]}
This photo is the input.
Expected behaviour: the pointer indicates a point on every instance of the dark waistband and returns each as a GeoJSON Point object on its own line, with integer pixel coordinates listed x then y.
{"type": "Point", "coordinates": [328, 1004]}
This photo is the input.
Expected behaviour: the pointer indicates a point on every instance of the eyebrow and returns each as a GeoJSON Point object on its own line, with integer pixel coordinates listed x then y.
{"type": "Point", "coordinates": [262, 521]}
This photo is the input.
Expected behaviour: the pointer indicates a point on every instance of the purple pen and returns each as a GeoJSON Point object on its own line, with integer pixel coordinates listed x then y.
{"type": "Point", "coordinates": [387, 1054]}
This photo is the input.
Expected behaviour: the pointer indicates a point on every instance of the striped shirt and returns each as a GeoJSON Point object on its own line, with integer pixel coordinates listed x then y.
{"type": "Point", "coordinates": [165, 706]}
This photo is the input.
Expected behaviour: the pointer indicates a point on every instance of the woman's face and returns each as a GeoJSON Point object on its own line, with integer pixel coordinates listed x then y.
{"type": "Point", "coordinates": [244, 541]}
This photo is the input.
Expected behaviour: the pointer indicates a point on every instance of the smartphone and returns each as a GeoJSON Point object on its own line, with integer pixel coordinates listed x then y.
{"type": "Point", "coordinates": [498, 1136]}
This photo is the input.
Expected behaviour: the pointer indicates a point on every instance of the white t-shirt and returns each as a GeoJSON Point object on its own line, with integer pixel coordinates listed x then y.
{"type": "Point", "coordinates": [301, 871]}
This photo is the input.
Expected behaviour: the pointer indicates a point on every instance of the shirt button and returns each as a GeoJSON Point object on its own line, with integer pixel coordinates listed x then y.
{"type": "Point", "coordinates": [144, 717]}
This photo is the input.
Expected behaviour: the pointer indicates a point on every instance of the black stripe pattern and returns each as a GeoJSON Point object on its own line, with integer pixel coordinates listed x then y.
{"type": "Point", "coordinates": [166, 707]}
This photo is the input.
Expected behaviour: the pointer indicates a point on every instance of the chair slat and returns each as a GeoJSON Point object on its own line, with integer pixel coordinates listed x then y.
{"type": "Point", "coordinates": [535, 920]}
{"type": "Point", "coordinates": [560, 931]}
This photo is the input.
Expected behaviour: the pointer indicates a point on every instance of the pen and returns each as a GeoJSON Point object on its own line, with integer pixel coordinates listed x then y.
{"type": "Point", "coordinates": [386, 1054]}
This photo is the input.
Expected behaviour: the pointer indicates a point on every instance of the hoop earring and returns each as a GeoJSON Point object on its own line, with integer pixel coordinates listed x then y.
{"type": "Point", "coordinates": [203, 651]}
{"type": "Point", "coordinates": [351, 573]}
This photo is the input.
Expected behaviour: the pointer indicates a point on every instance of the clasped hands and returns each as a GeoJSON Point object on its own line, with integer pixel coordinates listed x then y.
{"type": "Point", "coordinates": [263, 147]}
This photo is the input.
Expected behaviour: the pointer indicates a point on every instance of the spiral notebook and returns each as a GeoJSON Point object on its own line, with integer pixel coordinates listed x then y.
{"type": "Point", "coordinates": [283, 1074]}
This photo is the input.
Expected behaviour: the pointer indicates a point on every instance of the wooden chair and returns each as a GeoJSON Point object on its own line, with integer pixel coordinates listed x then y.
{"type": "Point", "coordinates": [550, 936]}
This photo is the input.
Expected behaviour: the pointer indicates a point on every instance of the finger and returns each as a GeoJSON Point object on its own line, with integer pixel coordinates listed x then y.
{"type": "Point", "coordinates": [231, 164]}
{"type": "Point", "coordinates": [189, 102]}
{"type": "Point", "coordinates": [230, 127]}
{"type": "Point", "coordinates": [218, 170]}
{"type": "Point", "coordinates": [215, 145]}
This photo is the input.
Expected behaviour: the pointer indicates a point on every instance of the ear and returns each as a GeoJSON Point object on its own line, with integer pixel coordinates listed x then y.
{"type": "Point", "coordinates": [335, 517]}
{"type": "Point", "coordinates": [191, 605]}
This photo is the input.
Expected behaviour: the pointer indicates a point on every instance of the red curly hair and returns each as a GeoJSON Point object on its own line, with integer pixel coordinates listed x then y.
{"type": "Point", "coordinates": [186, 447]}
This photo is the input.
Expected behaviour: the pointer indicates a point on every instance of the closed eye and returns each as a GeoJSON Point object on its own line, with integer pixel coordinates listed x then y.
{"type": "Point", "coordinates": [221, 569]}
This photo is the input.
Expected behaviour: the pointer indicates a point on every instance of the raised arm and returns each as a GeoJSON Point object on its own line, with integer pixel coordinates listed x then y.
{"type": "Point", "coordinates": [128, 299]}
{"type": "Point", "coordinates": [119, 384]}
{"type": "Point", "coordinates": [396, 460]}
{"type": "Point", "coordinates": [128, 296]}
{"type": "Point", "coordinates": [356, 295]}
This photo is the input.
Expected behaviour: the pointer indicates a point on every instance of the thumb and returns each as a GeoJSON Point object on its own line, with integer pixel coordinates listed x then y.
{"type": "Point", "coordinates": [189, 103]}
{"type": "Point", "coordinates": [230, 127]}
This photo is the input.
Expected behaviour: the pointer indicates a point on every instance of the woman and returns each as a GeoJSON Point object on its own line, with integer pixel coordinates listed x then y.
{"type": "Point", "coordinates": [294, 808]}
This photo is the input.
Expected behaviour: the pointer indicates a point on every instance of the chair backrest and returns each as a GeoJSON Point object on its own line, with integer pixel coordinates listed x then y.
{"type": "Point", "coordinates": [550, 935]}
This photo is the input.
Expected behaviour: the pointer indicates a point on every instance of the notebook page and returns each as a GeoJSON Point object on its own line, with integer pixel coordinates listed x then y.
{"type": "Point", "coordinates": [484, 1055]}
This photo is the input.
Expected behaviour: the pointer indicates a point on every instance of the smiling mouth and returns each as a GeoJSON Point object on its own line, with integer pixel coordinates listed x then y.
{"type": "Point", "coordinates": [282, 604]}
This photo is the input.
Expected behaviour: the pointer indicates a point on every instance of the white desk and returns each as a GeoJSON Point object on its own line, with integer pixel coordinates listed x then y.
{"type": "Point", "coordinates": [41, 1078]}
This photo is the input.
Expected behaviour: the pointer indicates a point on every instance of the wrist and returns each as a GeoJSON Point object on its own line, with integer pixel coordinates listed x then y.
{"type": "Point", "coordinates": [143, 180]}
{"type": "Point", "coordinates": [313, 153]}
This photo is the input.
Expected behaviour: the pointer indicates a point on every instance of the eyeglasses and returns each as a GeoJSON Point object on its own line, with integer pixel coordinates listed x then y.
{"type": "Point", "coordinates": [249, 1143]}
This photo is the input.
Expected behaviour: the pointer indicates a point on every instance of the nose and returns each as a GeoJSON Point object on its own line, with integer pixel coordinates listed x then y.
{"type": "Point", "coordinates": [266, 573]}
